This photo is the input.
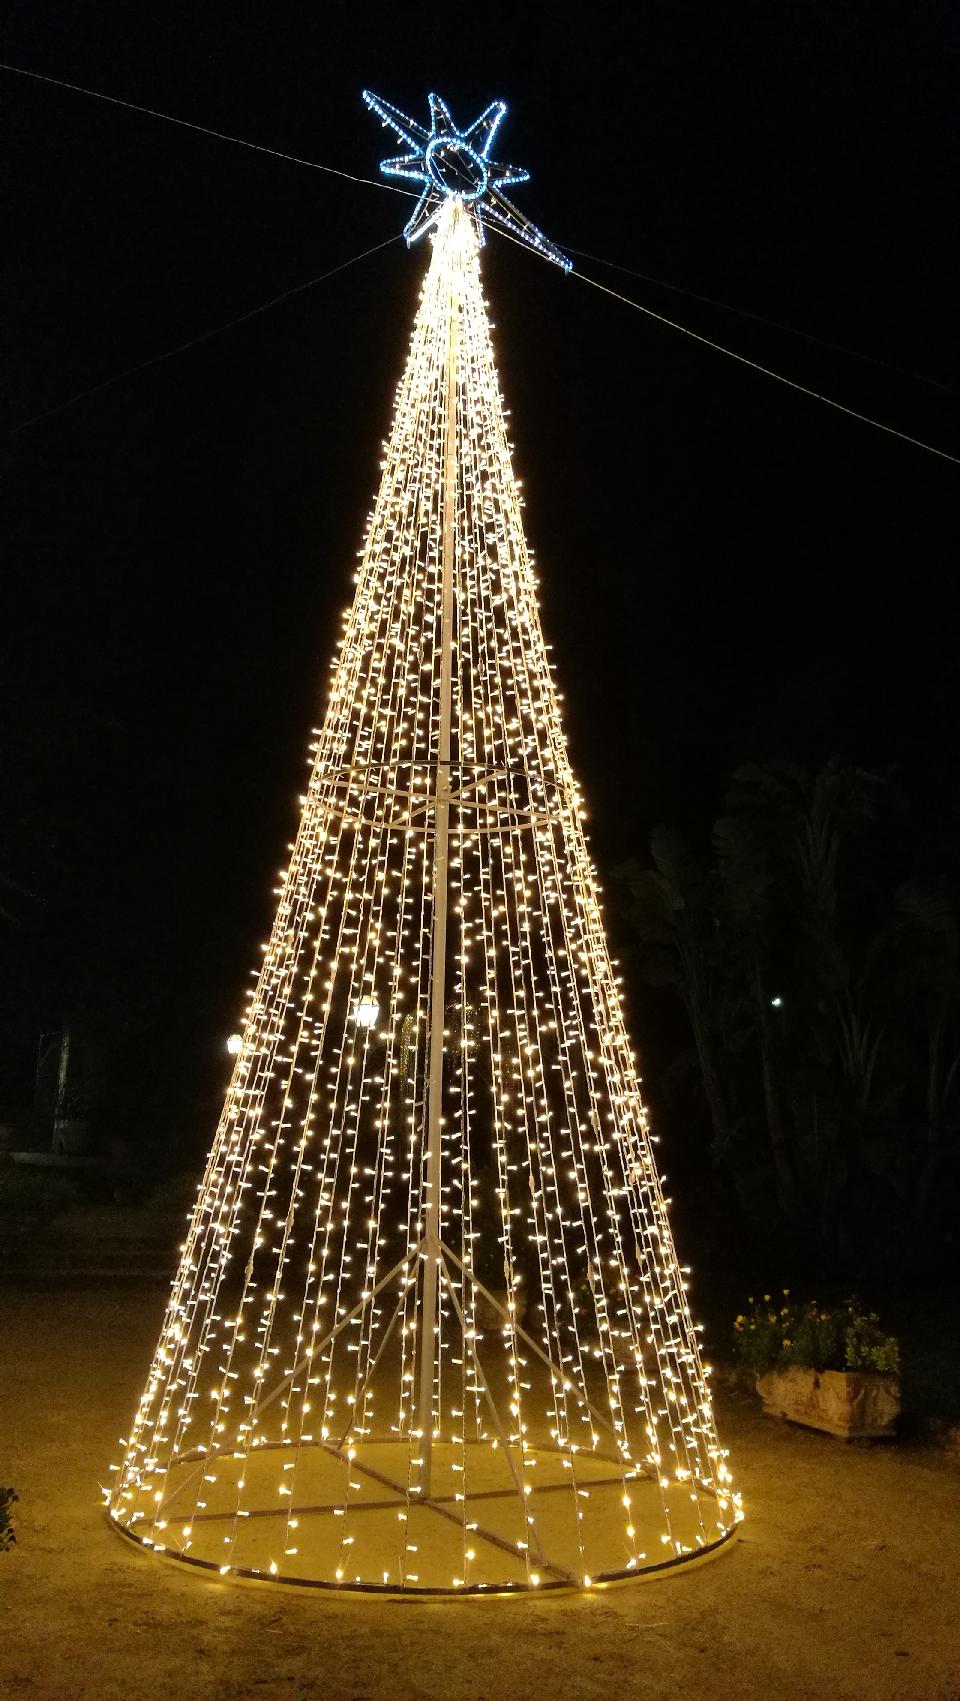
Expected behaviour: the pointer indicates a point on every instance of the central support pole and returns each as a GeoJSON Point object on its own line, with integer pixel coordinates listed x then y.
{"type": "Point", "coordinates": [431, 1233]}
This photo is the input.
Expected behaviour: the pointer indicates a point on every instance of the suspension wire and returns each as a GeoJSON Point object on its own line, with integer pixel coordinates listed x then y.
{"type": "Point", "coordinates": [204, 336]}
{"type": "Point", "coordinates": [755, 366]}
{"type": "Point", "coordinates": [761, 319]}
{"type": "Point", "coordinates": [314, 165]}
{"type": "Point", "coordinates": [204, 130]}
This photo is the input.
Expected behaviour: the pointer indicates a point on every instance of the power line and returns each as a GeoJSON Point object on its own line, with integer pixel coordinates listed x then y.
{"type": "Point", "coordinates": [313, 165]}
{"type": "Point", "coordinates": [755, 366]}
{"type": "Point", "coordinates": [203, 129]}
{"type": "Point", "coordinates": [761, 319]}
{"type": "Point", "coordinates": [791, 383]}
{"type": "Point", "coordinates": [204, 336]}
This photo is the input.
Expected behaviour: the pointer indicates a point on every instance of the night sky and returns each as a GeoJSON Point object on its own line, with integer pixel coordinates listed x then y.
{"type": "Point", "coordinates": [729, 570]}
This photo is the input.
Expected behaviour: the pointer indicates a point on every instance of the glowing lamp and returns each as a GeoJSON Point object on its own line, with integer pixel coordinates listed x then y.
{"type": "Point", "coordinates": [235, 1044]}
{"type": "Point", "coordinates": [365, 1011]}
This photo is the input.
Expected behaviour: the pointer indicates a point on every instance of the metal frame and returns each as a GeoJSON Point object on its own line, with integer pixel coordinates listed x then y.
{"type": "Point", "coordinates": [560, 1576]}
{"type": "Point", "coordinates": [242, 1573]}
{"type": "Point", "coordinates": [353, 790]}
{"type": "Point", "coordinates": [438, 937]}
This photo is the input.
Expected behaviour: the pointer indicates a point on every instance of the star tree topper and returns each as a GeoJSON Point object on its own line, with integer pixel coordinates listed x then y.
{"type": "Point", "coordinates": [450, 162]}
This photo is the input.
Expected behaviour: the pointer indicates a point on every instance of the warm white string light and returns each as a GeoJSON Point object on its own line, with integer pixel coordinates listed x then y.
{"type": "Point", "coordinates": [428, 1330]}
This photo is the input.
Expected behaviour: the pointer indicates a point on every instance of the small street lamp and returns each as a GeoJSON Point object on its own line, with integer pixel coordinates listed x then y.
{"type": "Point", "coordinates": [366, 1010]}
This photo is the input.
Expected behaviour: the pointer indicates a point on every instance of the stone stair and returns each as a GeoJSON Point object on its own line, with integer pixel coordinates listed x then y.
{"type": "Point", "coordinates": [94, 1249]}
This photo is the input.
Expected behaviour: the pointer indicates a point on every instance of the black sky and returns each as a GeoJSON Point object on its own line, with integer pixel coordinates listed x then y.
{"type": "Point", "coordinates": [728, 569]}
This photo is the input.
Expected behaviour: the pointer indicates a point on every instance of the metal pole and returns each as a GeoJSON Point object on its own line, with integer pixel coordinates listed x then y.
{"type": "Point", "coordinates": [431, 1233]}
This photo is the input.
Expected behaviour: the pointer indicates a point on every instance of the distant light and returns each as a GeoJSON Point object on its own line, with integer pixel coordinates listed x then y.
{"type": "Point", "coordinates": [365, 1011]}
{"type": "Point", "coordinates": [776, 1002]}
{"type": "Point", "coordinates": [235, 1044]}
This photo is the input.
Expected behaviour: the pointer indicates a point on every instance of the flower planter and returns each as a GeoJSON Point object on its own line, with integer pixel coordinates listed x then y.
{"type": "Point", "coordinates": [853, 1404]}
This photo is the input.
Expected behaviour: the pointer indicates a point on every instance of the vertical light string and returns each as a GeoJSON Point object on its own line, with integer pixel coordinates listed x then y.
{"type": "Point", "coordinates": [282, 1400]}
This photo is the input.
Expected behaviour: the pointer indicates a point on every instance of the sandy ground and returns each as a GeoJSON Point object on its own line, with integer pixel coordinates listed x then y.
{"type": "Point", "coordinates": [845, 1582]}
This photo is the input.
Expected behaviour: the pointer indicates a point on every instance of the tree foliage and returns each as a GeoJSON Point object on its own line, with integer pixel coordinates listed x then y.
{"type": "Point", "coordinates": [820, 977]}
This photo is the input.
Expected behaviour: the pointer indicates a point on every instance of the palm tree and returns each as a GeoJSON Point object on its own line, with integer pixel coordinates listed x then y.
{"type": "Point", "coordinates": [671, 910]}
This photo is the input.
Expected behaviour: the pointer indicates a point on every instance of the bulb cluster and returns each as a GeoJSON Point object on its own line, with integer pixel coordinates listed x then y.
{"type": "Point", "coordinates": [282, 1428]}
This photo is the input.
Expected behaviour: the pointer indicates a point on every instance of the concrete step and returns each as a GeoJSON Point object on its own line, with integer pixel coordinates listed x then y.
{"type": "Point", "coordinates": [51, 1260]}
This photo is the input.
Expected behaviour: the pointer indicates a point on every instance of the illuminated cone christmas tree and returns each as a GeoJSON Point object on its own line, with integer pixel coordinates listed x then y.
{"type": "Point", "coordinates": [429, 1332]}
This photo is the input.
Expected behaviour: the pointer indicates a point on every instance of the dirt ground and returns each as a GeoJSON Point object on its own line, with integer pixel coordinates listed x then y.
{"type": "Point", "coordinates": [843, 1583]}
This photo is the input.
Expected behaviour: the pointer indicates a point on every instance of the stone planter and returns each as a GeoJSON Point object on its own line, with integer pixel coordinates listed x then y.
{"type": "Point", "coordinates": [853, 1404]}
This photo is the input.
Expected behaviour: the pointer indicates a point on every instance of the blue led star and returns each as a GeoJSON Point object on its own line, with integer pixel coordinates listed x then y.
{"type": "Point", "coordinates": [451, 162]}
